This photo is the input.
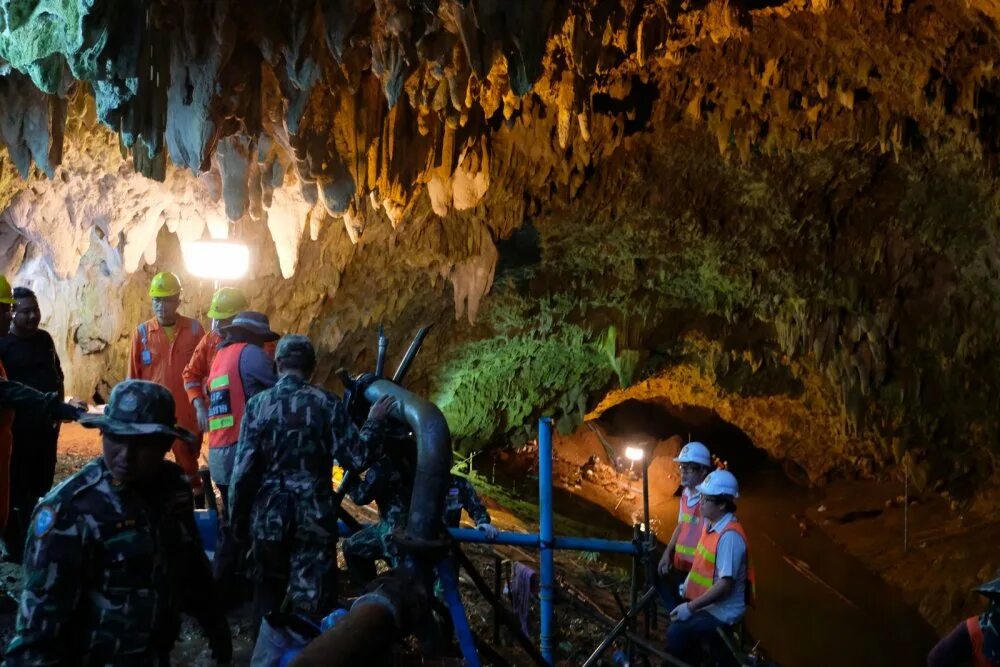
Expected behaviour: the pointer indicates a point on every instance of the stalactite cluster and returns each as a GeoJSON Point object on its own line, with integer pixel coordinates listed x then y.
{"type": "Point", "coordinates": [786, 200]}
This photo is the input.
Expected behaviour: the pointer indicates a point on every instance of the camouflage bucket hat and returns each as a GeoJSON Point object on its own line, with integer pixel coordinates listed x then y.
{"type": "Point", "coordinates": [137, 407]}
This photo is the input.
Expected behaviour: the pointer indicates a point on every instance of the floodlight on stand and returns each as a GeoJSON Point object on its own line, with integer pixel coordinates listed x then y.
{"type": "Point", "coordinates": [635, 453]}
{"type": "Point", "coordinates": [216, 260]}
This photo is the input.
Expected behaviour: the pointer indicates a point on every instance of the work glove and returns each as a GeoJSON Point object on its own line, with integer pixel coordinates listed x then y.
{"type": "Point", "coordinates": [491, 531]}
{"type": "Point", "coordinates": [681, 612]}
{"type": "Point", "coordinates": [67, 413]}
{"type": "Point", "coordinates": [201, 413]}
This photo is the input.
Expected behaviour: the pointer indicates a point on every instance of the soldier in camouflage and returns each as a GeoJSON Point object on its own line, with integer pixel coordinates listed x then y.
{"type": "Point", "coordinates": [113, 555]}
{"type": "Point", "coordinates": [281, 493]}
{"type": "Point", "coordinates": [389, 484]}
{"type": "Point", "coordinates": [462, 495]}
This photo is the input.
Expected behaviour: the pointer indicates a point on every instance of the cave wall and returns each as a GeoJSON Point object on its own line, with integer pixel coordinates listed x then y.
{"type": "Point", "coordinates": [784, 211]}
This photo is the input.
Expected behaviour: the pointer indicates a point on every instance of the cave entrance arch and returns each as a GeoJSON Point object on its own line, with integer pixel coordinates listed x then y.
{"type": "Point", "coordinates": [658, 419]}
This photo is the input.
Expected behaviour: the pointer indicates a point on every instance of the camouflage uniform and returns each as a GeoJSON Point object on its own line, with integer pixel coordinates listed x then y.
{"type": "Point", "coordinates": [281, 492]}
{"type": "Point", "coordinates": [462, 495]}
{"type": "Point", "coordinates": [389, 484]}
{"type": "Point", "coordinates": [109, 565]}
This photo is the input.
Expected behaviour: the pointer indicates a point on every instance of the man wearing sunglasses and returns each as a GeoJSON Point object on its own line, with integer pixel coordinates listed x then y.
{"type": "Point", "coordinates": [721, 582]}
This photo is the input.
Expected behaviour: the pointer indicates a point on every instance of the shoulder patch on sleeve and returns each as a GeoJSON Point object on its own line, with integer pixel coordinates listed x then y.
{"type": "Point", "coordinates": [44, 520]}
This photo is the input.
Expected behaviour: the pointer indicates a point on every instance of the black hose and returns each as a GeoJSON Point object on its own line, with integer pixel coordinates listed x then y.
{"type": "Point", "coordinates": [383, 348]}
{"type": "Point", "coordinates": [411, 354]}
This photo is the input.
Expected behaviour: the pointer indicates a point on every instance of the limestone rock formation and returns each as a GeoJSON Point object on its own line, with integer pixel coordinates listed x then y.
{"type": "Point", "coordinates": [781, 210]}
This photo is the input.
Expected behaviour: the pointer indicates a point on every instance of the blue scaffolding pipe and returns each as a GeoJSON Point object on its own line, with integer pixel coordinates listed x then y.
{"type": "Point", "coordinates": [544, 540]}
{"type": "Point", "coordinates": [545, 536]}
{"type": "Point", "coordinates": [532, 541]}
{"type": "Point", "coordinates": [459, 621]}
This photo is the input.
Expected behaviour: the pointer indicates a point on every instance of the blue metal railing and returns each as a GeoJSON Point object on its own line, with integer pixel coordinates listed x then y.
{"type": "Point", "coordinates": [544, 540]}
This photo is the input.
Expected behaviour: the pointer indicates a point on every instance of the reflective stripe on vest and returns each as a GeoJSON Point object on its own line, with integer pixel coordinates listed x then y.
{"type": "Point", "coordinates": [690, 533]}
{"type": "Point", "coordinates": [702, 574]}
{"type": "Point", "coordinates": [979, 658]}
{"type": "Point", "coordinates": [226, 397]}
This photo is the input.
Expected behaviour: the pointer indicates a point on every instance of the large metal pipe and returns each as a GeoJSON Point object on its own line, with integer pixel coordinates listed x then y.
{"type": "Point", "coordinates": [433, 471]}
{"type": "Point", "coordinates": [411, 353]}
{"type": "Point", "coordinates": [545, 535]}
{"type": "Point", "coordinates": [366, 633]}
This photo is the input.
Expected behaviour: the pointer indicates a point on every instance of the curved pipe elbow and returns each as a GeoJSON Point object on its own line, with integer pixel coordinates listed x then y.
{"type": "Point", "coordinates": [433, 457]}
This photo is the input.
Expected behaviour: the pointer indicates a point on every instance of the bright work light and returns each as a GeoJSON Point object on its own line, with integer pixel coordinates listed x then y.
{"type": "Point", "coordinates": [216, 260]}
{"type": "Point", "coordinates": [634, 453]}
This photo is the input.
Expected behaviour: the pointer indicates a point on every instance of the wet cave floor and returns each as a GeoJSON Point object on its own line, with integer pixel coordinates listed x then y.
{"type": "Point", "coordinates": [834, 583]}
{"type": "Point", "coordinates": [835, 586]}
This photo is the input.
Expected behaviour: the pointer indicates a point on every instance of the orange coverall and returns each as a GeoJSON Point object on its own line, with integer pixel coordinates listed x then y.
{"type": "Point", "coordinates": [159, 360]}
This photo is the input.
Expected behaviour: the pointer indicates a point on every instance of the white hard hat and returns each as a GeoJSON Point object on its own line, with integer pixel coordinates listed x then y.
{"type": "Point", "coordinates": [720, 483]}
{"type": "Point", "coordinates": [694, 452]}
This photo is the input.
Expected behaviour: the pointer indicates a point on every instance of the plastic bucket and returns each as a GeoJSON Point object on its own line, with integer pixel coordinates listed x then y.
{"type": "Point", "coordinates": [208, 527]}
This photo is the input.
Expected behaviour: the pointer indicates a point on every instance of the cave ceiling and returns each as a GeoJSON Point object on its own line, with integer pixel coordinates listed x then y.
{"type": "Point", "coordinates": [787, 204]}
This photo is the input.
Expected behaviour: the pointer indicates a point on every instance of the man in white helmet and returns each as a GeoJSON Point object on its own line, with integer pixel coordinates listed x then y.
{"type": "Point", "coordinates": [695, 462]}
{"type": "Point", "coordinates": [721, 582]}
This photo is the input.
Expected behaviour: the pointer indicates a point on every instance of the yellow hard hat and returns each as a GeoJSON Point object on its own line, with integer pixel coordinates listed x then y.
{"type": "Point", "coordinates": [6, 293]}
{"type": "Point", "coordinates": [226, 302]}
{"type": "Point", "coordinates": [165, 284]}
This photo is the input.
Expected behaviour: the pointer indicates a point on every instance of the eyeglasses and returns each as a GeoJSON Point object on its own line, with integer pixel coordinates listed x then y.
{"type": "Point", "coordinates": [715, 500]}
{"type": "Point", "coordinates": [688, 467]}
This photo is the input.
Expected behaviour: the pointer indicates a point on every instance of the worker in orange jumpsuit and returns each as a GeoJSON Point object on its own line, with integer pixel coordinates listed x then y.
{"type": "Point", "coordinates": [43, 406]}
{"type": "Point", "coordinates": [161, 347]}
{"type": "Point", "coordinates": [226, 303]}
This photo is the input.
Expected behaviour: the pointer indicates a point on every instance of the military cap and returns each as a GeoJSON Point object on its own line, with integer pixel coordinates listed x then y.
{"type": "Point", "coordinates": [990, 589]}
{"type": "Point", "coordinates": [138, 407]}
{"type": "Point", "coordinates": [296, 345]}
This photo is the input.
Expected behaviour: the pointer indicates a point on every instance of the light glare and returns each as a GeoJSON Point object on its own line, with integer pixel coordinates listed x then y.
{"type": "Point", "coordinates": [634, 453]}
{"type": "Point", "coordinates": [217, 260]}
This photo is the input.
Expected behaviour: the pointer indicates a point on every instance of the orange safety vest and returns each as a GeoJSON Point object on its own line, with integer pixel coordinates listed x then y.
{"type": "Point", "coordinates": [196, 372]}
{"type": "Point", "coordinates": [226, 397]}
{"type": "Point", "coordinates": [687, 540]}
{"type": "Point", "coordinates": [979, 658]}
{"type": "Point", "coordinates": [702, 574]}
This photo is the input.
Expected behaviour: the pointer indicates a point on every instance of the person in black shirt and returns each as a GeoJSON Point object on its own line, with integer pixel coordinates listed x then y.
{"type": "Point", "coordinates": [29, 355]}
